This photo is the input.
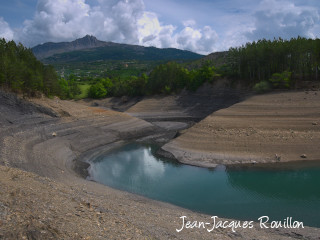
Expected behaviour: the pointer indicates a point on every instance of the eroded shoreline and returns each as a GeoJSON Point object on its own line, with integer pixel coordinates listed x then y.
{"type": "Point", "coordinates": [54, 202]}
{"type": "Point", "coordinates": [271, 128]}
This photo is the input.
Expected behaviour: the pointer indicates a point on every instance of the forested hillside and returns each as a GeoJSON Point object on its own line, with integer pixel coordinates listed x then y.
{"type": "Point", "coordinates": [20, 71]}
{"type": "Point", "coordinates": [122, 52]}
{"type": "Point", "coordinates": [165, 78]}
{"type": "Point", "coordinates": [263, 65]}
{"type": "Point", "coordinates": [258, 61]}
{"type": "Point", "coordinates": [48, 49]}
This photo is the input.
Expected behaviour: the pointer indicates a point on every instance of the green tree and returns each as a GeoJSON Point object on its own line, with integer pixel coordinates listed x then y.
{"type": "Point", "coordinates": [64, 88]}
{"type": "Point", "coordinates": [281, 80]}
{"type": "Point", "coordinates": [258, 61]}
{"type": "Point", "coordinates": [20, 71]}
{"type": "Point", "coordinates": [73, 85]}
{"type": "Point", "coordinates": [97, 91]}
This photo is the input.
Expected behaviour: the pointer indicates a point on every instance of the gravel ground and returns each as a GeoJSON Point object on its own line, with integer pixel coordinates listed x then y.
{"type": "Point", "coordinates": [42, 197]}
{"type": "Point", "coordinates": [276, 127]}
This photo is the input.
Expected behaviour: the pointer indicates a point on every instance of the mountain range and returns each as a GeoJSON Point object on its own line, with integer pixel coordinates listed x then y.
{"type": "Point", "coordinates": [49, 49]}
{"type": "Point", "coordinates": [89, 48]}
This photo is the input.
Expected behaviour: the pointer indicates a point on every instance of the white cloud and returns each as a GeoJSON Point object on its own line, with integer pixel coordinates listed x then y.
{"type": "Point", "coordinates": [153, 33]}
{"type": "Point", "coordinates": [149, 29]}
{"type": "Point", "coordinates": [56, 20]}
{"type": "Point", "coordinates": [208, 40]}
{"type": "Point", "coordinates": [5, 30]}
{"type": "Point", "coordinates": [200, 40]}
{"type": "Point", "coordinates": [122, 17]}
{"type": "Point", "coordinates": [66, 20]}
{"type": "Point", "coordinates": [232, 22]}
{"type": "Point", "coordinates": [124, 21]}
{"type": "Point", "coordinates": [284, 19]}
{"type": "Point", "coordinates": [189, 23]}
{"type": "Point", "coordinates": [269, 19]}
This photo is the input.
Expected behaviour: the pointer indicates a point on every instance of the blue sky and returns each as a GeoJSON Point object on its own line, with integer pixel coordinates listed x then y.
{"type": "Point", "coordinates": [15, 11]}
{"type": "Point", "coordinates": [201, 26]}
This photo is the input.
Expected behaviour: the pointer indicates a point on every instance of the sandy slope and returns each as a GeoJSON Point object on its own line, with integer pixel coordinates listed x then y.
{"type": "Point", "coordinates": [286, 125]}
{"type": "Point", "coordinates": [48, 200]}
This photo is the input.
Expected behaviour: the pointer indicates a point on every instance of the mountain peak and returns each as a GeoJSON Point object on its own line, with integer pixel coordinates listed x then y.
{"type": "Point", "coordinates": [87, 41]}
{"type": "Point", "coordinates": [49, 49]}
{"type": "Point", "coordinates": [108, 51]}
{"type": "Point", "coordinates": [90, 37]}
{"type": "Point", "coordinates": [87, 38]}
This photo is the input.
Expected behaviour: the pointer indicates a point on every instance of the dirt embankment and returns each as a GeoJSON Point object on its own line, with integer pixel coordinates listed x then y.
{"type": "Point", "coordinates": [276, 127]}
{"type": "Point", "coordinates": [41, 197]}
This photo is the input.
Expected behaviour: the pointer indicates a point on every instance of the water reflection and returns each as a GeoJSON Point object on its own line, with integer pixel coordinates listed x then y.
{"type": "Point", "coordinates": [233, 193]}
{"type": "Point", "coordinates": [137, 164]}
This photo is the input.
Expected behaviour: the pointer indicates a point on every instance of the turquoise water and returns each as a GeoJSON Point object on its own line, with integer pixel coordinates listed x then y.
{"type": "Point", "coordinates": [244, 194]}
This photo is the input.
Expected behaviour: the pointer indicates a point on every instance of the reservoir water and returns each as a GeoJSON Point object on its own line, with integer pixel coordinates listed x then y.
{"type": "Point", "coordinates": [238, 193]}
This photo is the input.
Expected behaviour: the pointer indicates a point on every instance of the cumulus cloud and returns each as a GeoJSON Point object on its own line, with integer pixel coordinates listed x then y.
{"type": "Point", "coordinates": [65, 20]}
{"type": "Point", "coordinates": [200, 40]}
{"type": "Point", "coordinates": [123, 21]}
{"type": "Point", "coordinates": [153, 33]}
{"type": "Point", "coordinates": [122, 18]}
{"type": "Point", "coordinates": [5, 30]}
{"type": "Point", "coordinates": [127, 21]}
{"type": "Point", "coordinates": [189, 23]}
{"type": "Point", "coordinates": [283, 19]}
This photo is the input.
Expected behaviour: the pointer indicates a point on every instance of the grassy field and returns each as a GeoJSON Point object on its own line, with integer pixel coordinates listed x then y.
{"type": "Point", "coordinates": [84, 91]}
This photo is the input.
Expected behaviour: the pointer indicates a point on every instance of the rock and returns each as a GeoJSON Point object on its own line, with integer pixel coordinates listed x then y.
{"type": "Point", "coordinates": [54, 134]}
{"type": "Point", "coordinates": [277, 157]}
{"type": "Point", "coordinates": [124, 99]}
{"type": "Point", "coordinates": [314, 123]}
{"type": "Point", "coordinates": [95, 104]}
{"type": "Point", "coordinates": [303, 156]}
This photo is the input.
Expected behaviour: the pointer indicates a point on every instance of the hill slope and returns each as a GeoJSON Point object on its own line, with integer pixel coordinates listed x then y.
{"type": "Point", "coordinates": [60, 205]}
{"type": "Point", "coordinates": [91, 49]}
{"type": "Point", "coordinates": [274, 127]}
{"type": "Point", "coordinates": [48, 49]}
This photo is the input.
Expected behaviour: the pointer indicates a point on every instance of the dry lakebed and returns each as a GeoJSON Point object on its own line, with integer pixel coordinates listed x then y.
{"type": "Point", "coordinates": [45, 145]}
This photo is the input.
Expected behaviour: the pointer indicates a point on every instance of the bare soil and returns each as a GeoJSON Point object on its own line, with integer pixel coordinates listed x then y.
{"type": "Point", "coordinates": [275, 127]}
{"type": "Point", "coordinates": [42, 196]}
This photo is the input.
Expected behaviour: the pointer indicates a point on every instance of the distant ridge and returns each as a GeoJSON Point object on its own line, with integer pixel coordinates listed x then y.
{"type": "Point", "coordinates": [89, 48]}
{"type": "Point", "coordinates": [48, 49]}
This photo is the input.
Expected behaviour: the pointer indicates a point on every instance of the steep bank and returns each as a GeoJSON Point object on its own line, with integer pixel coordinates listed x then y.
{"type": "Point", "coordinates": [275, 127]}
{"type": "Point", "coordinates": [50, 201]}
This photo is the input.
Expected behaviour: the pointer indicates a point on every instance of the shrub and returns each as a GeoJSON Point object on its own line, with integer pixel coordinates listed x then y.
{"type": "Point", "coordinates": [262, 87]}
{"type": "Point", "coordinates": [97, 91]}
{"type": "Point", "coordinates": [167, 90]}
{"type": "Point", "coordinates": [281, 80]}
{"type": "Point", "coordinates": [64, 88]}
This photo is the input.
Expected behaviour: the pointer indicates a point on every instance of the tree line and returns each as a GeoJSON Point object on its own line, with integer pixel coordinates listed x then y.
{"type": "Point", "coordinates": [164, 78]}
{"type": "Point", "coordinates": [263, 65]}
{"type": "Point", "coordinates": [259, 61]}
{"type": "Point", "coordinates": [20, 71]}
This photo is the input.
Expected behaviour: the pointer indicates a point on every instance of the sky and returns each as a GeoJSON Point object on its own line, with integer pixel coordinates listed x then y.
{"type": "Point", "coordinates": [202, 26]}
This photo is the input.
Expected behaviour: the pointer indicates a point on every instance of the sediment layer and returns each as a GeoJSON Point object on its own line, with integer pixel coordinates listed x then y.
{"type": "Point", "coordinates": [42, 197]}
{"type": "Point", "coordinates": [276, 127]}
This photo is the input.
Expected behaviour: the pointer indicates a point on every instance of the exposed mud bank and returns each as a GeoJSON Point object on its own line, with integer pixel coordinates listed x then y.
{"type": "Point", "coordinates": [42, 197]}
{"type": "Point", "coordinates": [270, 128]}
